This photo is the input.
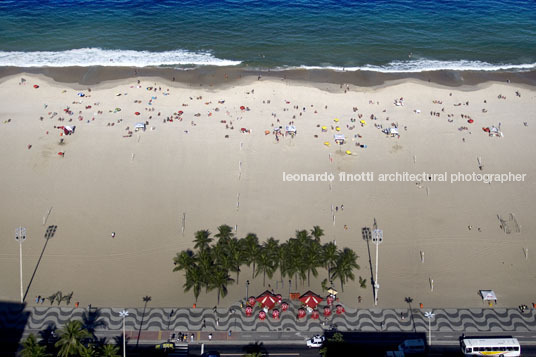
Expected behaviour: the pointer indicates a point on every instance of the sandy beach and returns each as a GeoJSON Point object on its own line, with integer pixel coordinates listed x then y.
{"type": "Point", "coordinates": [197, 170]}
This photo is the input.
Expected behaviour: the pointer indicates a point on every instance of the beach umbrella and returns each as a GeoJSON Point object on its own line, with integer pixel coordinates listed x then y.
{"type": "Point", "coordinates": [311, 299]}
{"type": "Point", "coordinates": [470, 121]}
{"type": "Point", "coordinates": [275, 313]}
{"type": "Point", "coordinates": [337, 128]}
{"type": "Point", "coordinates": [324, 128]}
{"type": "Point", "coordinates": [348, 152]}
{"type": "Point", "coordinates": [327, 143]}
{"type": "Point", "coordinates": [362, 122]}
{"type": "Point", "coordinates": [137, 113]}
{"type": "Point", "coordinates": [301, 313]}
{"type": "Point", "coordinates": [251, 300]}
{"type": "Point", "coordinates": [249, 311]}
{"type": "Point", "coordinates": [315, 315]}
{"type": "Point", "coordinates": [36, 86]}
{"type": "Point", "coordinates": [330, 299]}
{"type": "Point", "coordinates": [262, 315]}
{"type": "Point", "coordinates": [267, 299]}
{"type": "Point", "coordinates": [336, 120]}
{"type": "Point", "coordinates": [327, 311]}
{"type": "Point", "coordinates": [242, 107]}
{"type": "Point", "coordinates": [284, 306]}
{"type": "Point", "coordinates": [340, 309]}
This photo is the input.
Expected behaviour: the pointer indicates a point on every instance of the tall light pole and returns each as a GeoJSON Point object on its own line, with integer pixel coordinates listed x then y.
{"type": "Point", "coordinates": [247, 286]}
{"type": "Point", "coordinates": [20, 236]}
{"type": "Point", "coordinates": [377, 238]}
{"type": "Point", "coordinates": [124, 313]}
{"type": "Point", "coordinates": [430, 316]}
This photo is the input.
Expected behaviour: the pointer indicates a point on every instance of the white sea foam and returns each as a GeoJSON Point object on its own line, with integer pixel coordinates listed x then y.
{"type": "Point", "coordinates": [86, 57]}
{"type": "Point", "coordinates": [425, 65]}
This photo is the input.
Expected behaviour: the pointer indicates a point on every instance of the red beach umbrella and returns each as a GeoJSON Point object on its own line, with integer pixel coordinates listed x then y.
{"type": "Point", "coordinates": [284, 306]}
{"type": "Point", "coordinates": [340, 309]}
{"type": "Point", "coordinates": [249, 311]}
{"type": "Point", "coordinates": [301, 313]}
{"type": "Point", "coordinates": [267, 299]}
{"type": "Point", "coordinates": [242, 107]}
{"type": "Point", "coordinates": [470, 121]}
{"type": "Point", "coordinates": [137, 113]}
{"type": "Point", "coordinates": [311, 299]}
{"type": "Point", "coordinates": [315, 315]}
{"type": "Point", "coordinates": [251, 300]}
{"type": "Point", "coordinates": [327, 311]}
{"type": "Point", "coordinates": [262, 315]}
{"type": "Point", "coordinates": [36, 86]}
{"type": "Point", "coordinates": [275, 313]}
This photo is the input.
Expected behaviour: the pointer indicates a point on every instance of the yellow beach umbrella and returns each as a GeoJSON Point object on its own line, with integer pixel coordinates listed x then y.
{"type": "Point", "coordinates": [326, 143]}
{"type": "Point", "coordinates": [324, 128]}
{"type": "Point", "coordinates": [336, 120]}
{"type": "Point", "coordinates": [338, 129]}
{"type": "Point", "coordinates": [363, 122]}
{"type": "Point", "coordinates": [348, 152]}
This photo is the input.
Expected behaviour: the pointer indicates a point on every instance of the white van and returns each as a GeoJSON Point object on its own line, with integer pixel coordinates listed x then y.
{"type": "Point", "coordinates": [412, 346]}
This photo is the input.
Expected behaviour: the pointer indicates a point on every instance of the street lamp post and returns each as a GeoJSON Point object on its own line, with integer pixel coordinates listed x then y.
{"type": "Point", "coordinates": [247, 286]}
{"type": "Point", "coordinates": [20, 236]}
{"type": "Point", "coordinates": [377, 238]}
{"type": "Point", "coordinates": [289, 284]}
{"type": "Point", "coordinates": [124, 313]}
{"type": "Point", "coordinates": [430, 316]}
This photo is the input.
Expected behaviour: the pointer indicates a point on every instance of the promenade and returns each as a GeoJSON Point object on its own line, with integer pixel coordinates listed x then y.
{"type": "Point", "coordinates": [228, 325]}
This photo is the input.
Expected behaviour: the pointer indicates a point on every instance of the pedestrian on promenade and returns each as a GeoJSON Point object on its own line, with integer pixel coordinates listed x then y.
{"type": "Point", "coordinates": [230, 332]}
{"type": "Point", "coordinates": [218, 321]}
{"type": "Point", "coordinates": [204, 325]}
{"type": "Point", "coordinates": [209, 336]}
{"type": "Point", "coordinates": [192, 337]}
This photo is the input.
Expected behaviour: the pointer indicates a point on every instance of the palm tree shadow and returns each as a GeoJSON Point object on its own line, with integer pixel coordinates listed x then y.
{"type": "Point", "coordinates": [91, 320]}
{"type": "Point", "coordinates": [409, 300]}
{"type": "Point", "coordinates": [118, 340]}
{"type": "Point", "coordinates": [257, 347]}
{"type": "Point", "coordinates": [367, 236]}
{"type": "Point", "coordinates": [145, 299]}
{"type": "Point", "coordinates": [51, 230]}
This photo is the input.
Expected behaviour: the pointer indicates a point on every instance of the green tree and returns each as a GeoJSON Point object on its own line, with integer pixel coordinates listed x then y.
{"type": "Point", "coordinates": [88, 351]}
{"type": "Point", "coordinates": [313, 259]}
{"type": "Point", "coordinates": [251, 250]}
{"type": "Point", "coordinates": [362, 282]}
{"type": "Point", "coordinates": [71, 337]}
{"type": "Point", "coordinates": [265, 264]}
{"type": "Point", "coordinates": [194, 281]}
{"type": "Point", "coordinates": [344, 269]}
{"type": "Point", "coordinates": [202, 240]}
{"type": "Point", "coordinates": [317, 233]}
{"type": "Point", "coordinates": [31, 348]}
{"type": "Point", "coordinates": [109, 351]}
{"type": "Point", "coordinates": [183, 260]}
{"type": "Point", "coordinates": [235, 254]}
{"type": "Point", "coordinates": [225, 233]}
{"type": "Point", "coordinates": [331, 254]}
{"type": "Point", "coordinates": [219, 280]}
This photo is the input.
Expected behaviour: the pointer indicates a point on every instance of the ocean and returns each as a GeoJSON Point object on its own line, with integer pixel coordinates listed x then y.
{"type": "Point", "coordinates": [383, 36]}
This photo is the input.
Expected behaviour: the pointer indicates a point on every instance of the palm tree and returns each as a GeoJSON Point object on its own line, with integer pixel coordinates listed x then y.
{"type": "Point", "coordinates": [362, 282]}
{"type": "Point", "coordinates": [251, 250]}
{"type": "Point", "coordinates": [71, 337]}
{"type": "Point", "coordinates": [219, 280]}
{"type": "Point", "coordinates": [235, 254]}
{"type": "Point", "coordinates": [330, 256]}
{"type": "Point", "coordinates": [31, 348]}
{"type": "Point", "coordinates": [344, 269]}
{"type": "Point", "coordinates": [265, 264]}
{"type": "Point", "coordinates": [183, 260]}
{"type": "Point", "coordinates": [202, 240]}
{"type": "Point", "coordinates": [194, 281]}
{"type": "Point", "coordinates": [109, 351]}
{"type": "Point", "coordinates": [313, 259]}
{"type": "Point", "coordinates": [88, 351]}
{"type": "Point", "coordinates": [317, 233]}
{"type": "Point", "coordinates": [225, 233]}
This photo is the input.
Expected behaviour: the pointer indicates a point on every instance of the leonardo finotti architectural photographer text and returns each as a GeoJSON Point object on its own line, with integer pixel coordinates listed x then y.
{"type": "Point", "coordinates": [405, 176]}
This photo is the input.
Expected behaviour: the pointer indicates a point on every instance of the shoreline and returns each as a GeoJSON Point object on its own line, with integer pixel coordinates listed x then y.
{"type": "Point", "coordinates": [230, 76]}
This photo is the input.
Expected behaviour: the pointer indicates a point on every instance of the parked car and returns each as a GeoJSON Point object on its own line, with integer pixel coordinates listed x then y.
{"type": "Point", "coordinates": [316, 341]}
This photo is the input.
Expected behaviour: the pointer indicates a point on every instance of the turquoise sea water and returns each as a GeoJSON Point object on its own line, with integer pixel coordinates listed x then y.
{"type": "Point", "coordinates": [379, 35]}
